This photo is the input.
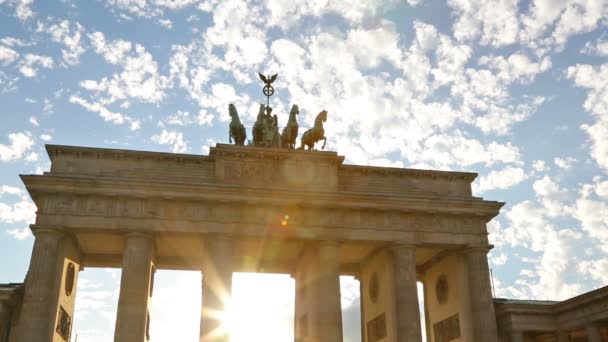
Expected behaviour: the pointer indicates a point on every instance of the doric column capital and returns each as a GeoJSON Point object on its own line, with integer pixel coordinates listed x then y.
{"type": "Point", "coordinates": [39, 230]}
{"type": "Point", "coordinates": [402, 247]}
{"type": "Point", "coordinates": [471, 249]}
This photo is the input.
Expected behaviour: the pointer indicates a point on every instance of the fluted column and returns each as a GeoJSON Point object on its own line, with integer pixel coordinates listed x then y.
{"type": "Point", "coordinates": [5, 316]}
{"type": "Point", "coordinates": [329, 306]}
{"type": "Point", "coordinates": [135, 289]}
{"type": "Point", "coordinates": [480, 294]}
{"type": "Point", "coordinates": [593, 333]}
{"type": "Point", "coordinates": [41, 294]}
{"type": "Point", "coordinates": [217, 288]}
{"type": "Point", "coordinates": [406, 293]}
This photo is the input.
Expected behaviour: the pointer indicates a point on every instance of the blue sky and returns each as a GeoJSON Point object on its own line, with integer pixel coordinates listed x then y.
{"type": "Point", "coordinates": [514, 90]}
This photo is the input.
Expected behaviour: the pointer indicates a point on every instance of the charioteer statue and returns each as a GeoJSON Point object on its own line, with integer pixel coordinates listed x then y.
{"type": "Point", "coordinates": [265, 132]}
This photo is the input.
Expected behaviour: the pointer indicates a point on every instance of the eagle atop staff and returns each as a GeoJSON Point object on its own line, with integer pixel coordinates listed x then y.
{"type": "Point", "coordinates": [268, 80]}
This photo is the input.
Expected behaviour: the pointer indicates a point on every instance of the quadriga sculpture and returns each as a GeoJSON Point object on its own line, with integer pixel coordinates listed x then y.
{"type": "Point", "coordinates": [316, 133]}
{"type": "Point", "coordinates": [237, 129]}
{"type": "Point", "coordinates": [290, 132]}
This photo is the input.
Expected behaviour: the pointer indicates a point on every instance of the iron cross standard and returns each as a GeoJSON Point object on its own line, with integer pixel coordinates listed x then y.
{"type": "Point", "coordinates": [268, 89]}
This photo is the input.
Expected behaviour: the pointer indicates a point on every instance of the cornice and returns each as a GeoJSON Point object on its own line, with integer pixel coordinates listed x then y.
{"type": "Point", "coordinates": [55, 151]}
{"type": "Point", "coordinates": [417, 173]}
{"type": "Point", "coordinates": [132, 188]}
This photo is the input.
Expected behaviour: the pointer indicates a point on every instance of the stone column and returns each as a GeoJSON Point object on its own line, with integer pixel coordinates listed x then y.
{"type": "Point", "coordinates": [329, 318]}
{"type": "Point", "coordinates": [132, 317]}
{"type": "Point", "coordinates": [39, 306]}
{"type": "Point", "coordinates": [480, 292]}
{"type": "Point", "coordinates": [406, 293]}
{"type": "Point", "coordinates": [361, 306]}
{"type": "Point", "coordinates": [593, 333]}
{"type": "Point", "coordinates": [517, 336]}
{"type": "Point", "coordinates": [217, 288]}
{"type": "Point", "coordinates": [5, 323]}
{"type": "Point", "coordinates": [562, 336]}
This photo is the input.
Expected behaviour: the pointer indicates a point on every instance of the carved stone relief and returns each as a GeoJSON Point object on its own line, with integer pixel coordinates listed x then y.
{"type": "Point", "coordinates": [64, 324]}
{"type": "Point", "coordinates": [263, 214]}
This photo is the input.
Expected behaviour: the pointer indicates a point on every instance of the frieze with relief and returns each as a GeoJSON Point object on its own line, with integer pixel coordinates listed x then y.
{"type": "Point", "coordinates": [261, 214]}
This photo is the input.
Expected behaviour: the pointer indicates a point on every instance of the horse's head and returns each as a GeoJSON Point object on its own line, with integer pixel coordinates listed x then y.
{"type": "Point", "coordinates": [295, 109]}
{"type": "Point", "coordinates": [323, 115]}
{"type": "Point", "coordinates": [261, 112]}
{"type": "Point", "coordinates": [232, 110]}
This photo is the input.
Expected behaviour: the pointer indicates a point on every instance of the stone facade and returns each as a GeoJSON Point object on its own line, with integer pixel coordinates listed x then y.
{"type": "Point", "coordinates": [218, 214]}
{"type": "Point", "coordinates": [579, 319]}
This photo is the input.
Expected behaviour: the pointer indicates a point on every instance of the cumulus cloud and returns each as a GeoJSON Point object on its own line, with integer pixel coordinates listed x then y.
{"type": "Point", "coordinates": [540, 166]}
{"type": "Point", "coordinates": [139, 78]}
{"type": "Point", "coordinates": [105, 113]}
{"type": "Point", "coordinates": [31, 64]}
{"type": "Point", "coordinates": [68, 34]}
{"type": "Point", "coordinates": [7, 55]}
{"type": "Point", "coordinates": [500, 179]}
{"type": "Point", "coordinates": [22, 8]}
{"type": "Point", "coordinates": [543, 25]}
{"type": "Point", "coordinates": [597, 48]}
{"type": "Point", "coordinates": [19, 144]}
{"type": "Point", "coordinates": [16, 208]}
{"type": "Point", "coordinates": [551, 196]}
{"type": "Point", "coordinates": [594, 78]}
{"type": "Point", "coordinates": [148, 8]}
{"type": "Point", "coordinates": [173, 138]}
{"type": "Point", "coordinates": [530, 227]}
{"type": "Point", "coordinates": [564, 163]}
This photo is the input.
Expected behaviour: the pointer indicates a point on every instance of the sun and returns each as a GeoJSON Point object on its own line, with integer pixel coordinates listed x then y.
{"type": "Point", "coordinates": [260, 309]}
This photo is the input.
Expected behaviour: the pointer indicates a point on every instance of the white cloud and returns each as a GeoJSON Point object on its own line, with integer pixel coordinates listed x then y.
{"type": "Point", "coordinates": [542, 26]}
{"type": "Point", "coordinates": [29, 66]}
{"type": "Point", "coordinates": [500, 179]}
{"type": "Point", "coordinates": [70, 35]}
{"type": "Point", "coordinates": [551, 196]}
{"type": "Point", "coordinates": [105, 113]}
{"type": "Point", "coordinates": [166, 23]}
{"type": "Point", "coordinates": [34, 121]}
{"type": "Point", "coordinates": [529, 227]}
{"type": "Point", "coordinates": [173, 138]}
{"type": "Point", "coordinates": [597, 48]}
{"type": "Point", "coordinates": [20, 233]}
{"type": "Point", "coordinates": [46, 137]}
{"type": "Point", "coordinates": [148, 8]}
{"type": "Point", "coordinates": [493, 22]}
{"type": "Point", "coordinates": [17, 209]}
{"type": "Point", "coordinates": [19, 144]}
{"type": "Point", "coordinates": [540, 166]}
{"type": "Point", "coordinates": [593, 214]}
{"type": "Point", "coordinates": [601, 187]}
{"type": "Point", "coordinates": [13, 42]}
{"type": "Point", "coordinates": [23, 8]}
{"type": "Point", "coordinates": [286, 14]}
{"type": "Point", "coordinates": [517, 67]}
{"type": "Point", "coordinates": [594, 78]}
{"type": "Point", "coordinates": [564, 163]}
{"type": "Point", "coordinates": [139, 79]}
{"type": "Point", "coordinates": [596, 269]}
{"type": "Point", "coordinates": [7, 55]}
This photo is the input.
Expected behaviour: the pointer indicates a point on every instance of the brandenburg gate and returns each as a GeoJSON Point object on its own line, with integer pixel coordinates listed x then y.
{"type": "Point", "coordinates": [259, 209]}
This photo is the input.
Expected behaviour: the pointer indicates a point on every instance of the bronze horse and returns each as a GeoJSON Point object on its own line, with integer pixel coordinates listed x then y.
{"type": "Point", "coordinates": [258, 128]}
{"type": "Point", "coordinates": [316, 133]}
{"type": "Point", "coordinates": [290, 132]}
{"type": "Point", "coordinates": [237, 129]}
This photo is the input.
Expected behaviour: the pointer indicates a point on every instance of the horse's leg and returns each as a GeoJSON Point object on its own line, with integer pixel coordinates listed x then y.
{"type": "Point", "coordinates": [324, 141]}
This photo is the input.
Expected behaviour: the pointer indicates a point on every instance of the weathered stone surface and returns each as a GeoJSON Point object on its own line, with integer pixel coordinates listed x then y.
{"type": "Point", "coordinates": [268, 210]}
